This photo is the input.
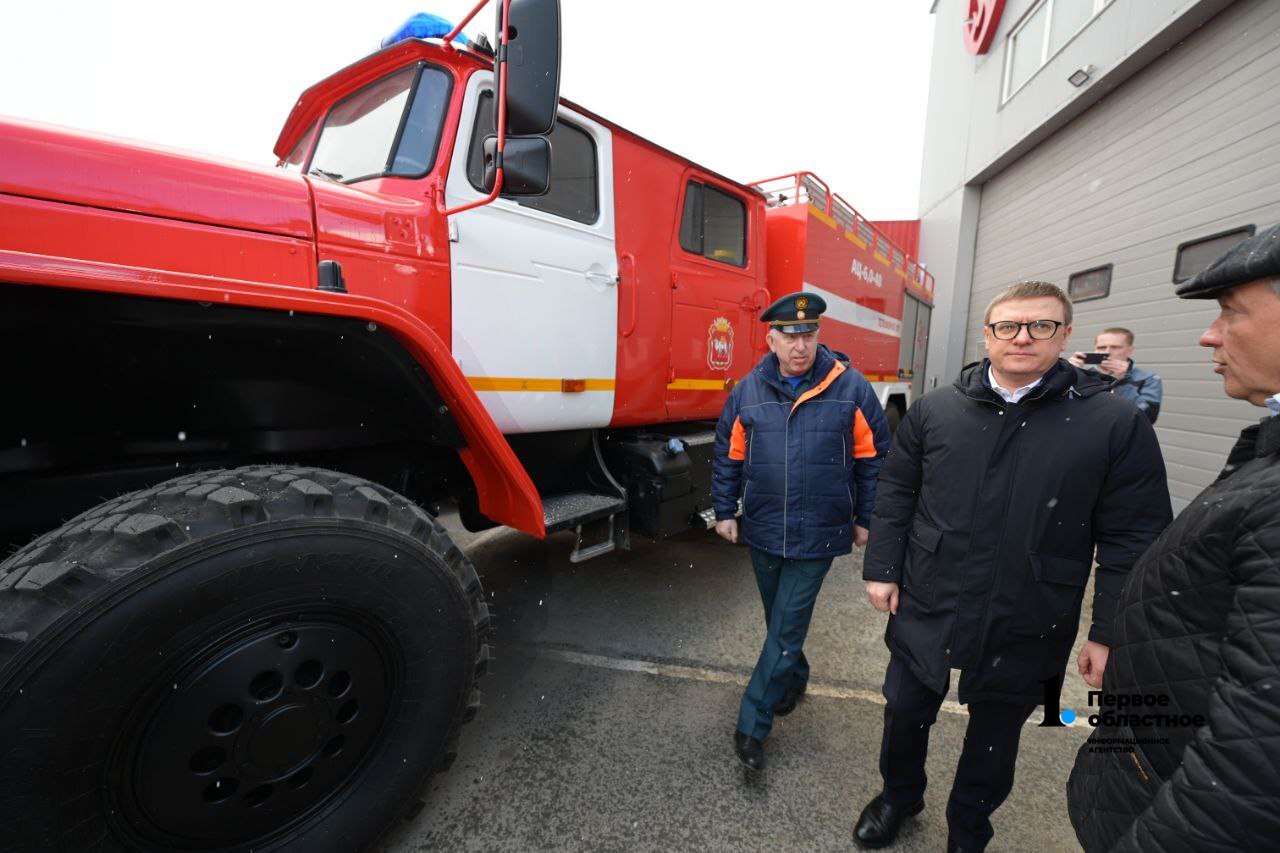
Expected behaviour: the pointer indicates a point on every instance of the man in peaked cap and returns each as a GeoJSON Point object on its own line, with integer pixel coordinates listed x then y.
{"type": "Point", "coordinates": [799, 443]}
{"type": "Point", "coordinates": [1198, 624]}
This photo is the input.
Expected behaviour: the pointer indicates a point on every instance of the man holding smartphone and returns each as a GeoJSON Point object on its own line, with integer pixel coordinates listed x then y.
{"type": "Point", "coordinates": [993, 502]}
{"type": "Point", "coordinates": [1113, 357]}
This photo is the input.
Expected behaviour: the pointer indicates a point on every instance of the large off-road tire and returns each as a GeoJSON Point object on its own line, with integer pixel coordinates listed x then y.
{"type": "Point", "coordinates": [269, 658]}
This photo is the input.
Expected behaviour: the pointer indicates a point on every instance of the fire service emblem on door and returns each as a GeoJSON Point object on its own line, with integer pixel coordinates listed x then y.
{"type": "Point", "coordinates": [720, 344]}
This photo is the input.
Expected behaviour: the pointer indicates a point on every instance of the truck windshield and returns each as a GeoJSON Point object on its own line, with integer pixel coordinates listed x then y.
{"type": "Point", "coordinates": [391, 127]}
{"type": "Point", "coordinates": [293, 163]}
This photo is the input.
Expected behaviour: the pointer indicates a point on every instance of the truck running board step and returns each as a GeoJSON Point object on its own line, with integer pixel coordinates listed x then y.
{"type": "Point", "coordinates": [599, 514]}
{"type": "Point", "coordinates": [608, 534]}
{"type": "Point", "coordinates": [573, 509]}
{"type": "Point", "coordinates": [698, 439]}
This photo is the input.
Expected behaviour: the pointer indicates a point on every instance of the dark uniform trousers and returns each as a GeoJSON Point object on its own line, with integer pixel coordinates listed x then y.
{"type": "Point", "coordinates": [984, 775]}
{"type": "Point", "coordinates": [788, 590]}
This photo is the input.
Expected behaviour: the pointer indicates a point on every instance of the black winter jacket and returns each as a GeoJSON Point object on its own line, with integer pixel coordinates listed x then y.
{"type": "Point", "coordinates": [987, 516]}
{"type": "Point", "coordinates": [1199, 622]}
{"type": "Point", "coordinates": [805, 465]}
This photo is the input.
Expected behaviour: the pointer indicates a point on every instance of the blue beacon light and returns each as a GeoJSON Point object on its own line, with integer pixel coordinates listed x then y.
{"type": "Point", "coordinates": [423, 26]}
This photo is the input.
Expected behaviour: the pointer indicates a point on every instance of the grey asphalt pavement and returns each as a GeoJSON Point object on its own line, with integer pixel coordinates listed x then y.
{"type": "Point", "coordinates": [611, 701]}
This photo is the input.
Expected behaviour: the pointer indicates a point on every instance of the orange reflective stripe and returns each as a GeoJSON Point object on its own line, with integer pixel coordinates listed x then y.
{"type": "Point", "coordinates": [738, 441]}
{"type": "Point", "coordinates": [821, 386]}
{"type": "Point", "coordinates": [864, 440]}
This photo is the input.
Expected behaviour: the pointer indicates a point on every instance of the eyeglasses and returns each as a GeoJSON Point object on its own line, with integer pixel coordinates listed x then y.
{"type": "Point", "coordinates": [1040, 330]}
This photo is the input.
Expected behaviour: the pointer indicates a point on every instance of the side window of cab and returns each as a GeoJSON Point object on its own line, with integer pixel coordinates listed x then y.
{"type": "Point", "coordinates": [713, 224]}
{"type": "Point", "coordinates": [575, 173]}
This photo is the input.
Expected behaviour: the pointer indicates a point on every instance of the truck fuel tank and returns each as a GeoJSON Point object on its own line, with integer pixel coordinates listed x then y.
{"type": "Point", "coordinates": [667, 477]}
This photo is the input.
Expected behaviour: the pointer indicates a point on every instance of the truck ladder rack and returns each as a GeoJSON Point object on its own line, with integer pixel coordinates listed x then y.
{"type": "Point", "coordinates": [808, 188]}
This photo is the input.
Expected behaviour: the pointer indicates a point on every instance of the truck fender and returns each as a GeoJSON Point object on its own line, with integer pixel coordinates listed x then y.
{"type": "Point", "coordinates": [505, 491]}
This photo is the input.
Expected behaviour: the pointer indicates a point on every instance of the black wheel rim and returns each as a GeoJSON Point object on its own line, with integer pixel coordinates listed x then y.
{"type": "Point", "coordinates": [258, 732]}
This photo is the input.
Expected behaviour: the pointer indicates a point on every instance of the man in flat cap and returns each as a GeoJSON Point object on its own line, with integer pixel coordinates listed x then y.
{"type": "Point", "coordinates": [799, 443]}
{"type": "Point", "coordinates": [1197, 632]}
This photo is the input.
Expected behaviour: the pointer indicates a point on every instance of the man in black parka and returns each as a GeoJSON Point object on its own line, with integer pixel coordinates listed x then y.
{"type": "Point", "coordinates": [1198, 626]}
{"type": "Point", "coordinates": [990, 505]}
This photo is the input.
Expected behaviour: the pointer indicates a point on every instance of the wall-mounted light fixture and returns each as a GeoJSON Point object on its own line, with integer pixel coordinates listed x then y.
{"type": "Point", "coordinates": [1080, 76]}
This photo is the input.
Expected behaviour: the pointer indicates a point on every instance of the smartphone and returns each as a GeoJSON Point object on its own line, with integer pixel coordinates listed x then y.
{"type": "Point", "coordinates": [1094, 357]}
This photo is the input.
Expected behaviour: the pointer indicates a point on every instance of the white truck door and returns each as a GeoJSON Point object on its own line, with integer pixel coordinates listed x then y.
{"type": "Point", "coordinates": [534, 280]}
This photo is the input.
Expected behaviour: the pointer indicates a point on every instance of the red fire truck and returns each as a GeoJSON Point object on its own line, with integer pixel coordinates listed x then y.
{"type": "Point", "coordinates": [248, 390]}
{"type": "Point", "coordinates": [879, 298]}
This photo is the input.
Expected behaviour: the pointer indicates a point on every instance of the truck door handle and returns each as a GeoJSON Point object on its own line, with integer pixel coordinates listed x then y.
{"type": "Point", "coordinates": [597, 277]}
{"type": "Point", "coordinates": [628, 259]}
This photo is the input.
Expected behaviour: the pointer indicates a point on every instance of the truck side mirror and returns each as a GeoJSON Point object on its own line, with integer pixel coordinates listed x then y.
{"type": "Point", "coordinates": [533, 66]}
{"type": "Point", "coordinates": [526, 165]}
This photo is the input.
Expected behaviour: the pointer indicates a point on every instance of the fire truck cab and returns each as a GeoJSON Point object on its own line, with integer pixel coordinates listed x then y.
{"type": "Point", "coordinates": [624, 298]}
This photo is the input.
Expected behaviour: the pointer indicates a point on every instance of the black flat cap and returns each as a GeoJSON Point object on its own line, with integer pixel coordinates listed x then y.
{"type": "Point", "coordinates": [795, 313]}
{"type": "Point", "coordinates": [1255, 258]}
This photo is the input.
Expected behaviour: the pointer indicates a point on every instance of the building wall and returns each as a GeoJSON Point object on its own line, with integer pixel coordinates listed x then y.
{"type": "Point", "coordinates": [1184, 150]}
{"type": "Point", "coordinates": [1180, 149]}
{"type": "Point", "coordinates": [970, 135]}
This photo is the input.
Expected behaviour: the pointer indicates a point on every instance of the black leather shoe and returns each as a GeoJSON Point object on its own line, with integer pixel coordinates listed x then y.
{"type": "Point", "coordinates": [750, 750]}
{"type": "Point", "coordinates": [954, 847]}
{"type": "Point", "coordinates": [880, 821]}
{"type": "Point", "coordinates": [787, 703]}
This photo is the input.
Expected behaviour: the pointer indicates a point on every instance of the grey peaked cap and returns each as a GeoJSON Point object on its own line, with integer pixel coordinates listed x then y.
{"type": "Point", "coordinates": [1255, 258]}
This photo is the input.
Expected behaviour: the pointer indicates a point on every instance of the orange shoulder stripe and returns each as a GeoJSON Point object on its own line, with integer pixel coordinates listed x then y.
{"type": "Point", "coordinates": [738, 441]}
{"type": "Point", "coordinates": [864, 440]}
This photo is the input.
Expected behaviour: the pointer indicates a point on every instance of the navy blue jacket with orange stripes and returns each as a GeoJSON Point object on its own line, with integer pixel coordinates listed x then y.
{"type": "Point", "coordinates": [804, 464]}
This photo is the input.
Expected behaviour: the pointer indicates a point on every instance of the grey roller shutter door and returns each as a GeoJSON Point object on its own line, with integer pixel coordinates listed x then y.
{"type": "Point", "coordinates": [1188, 147]}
